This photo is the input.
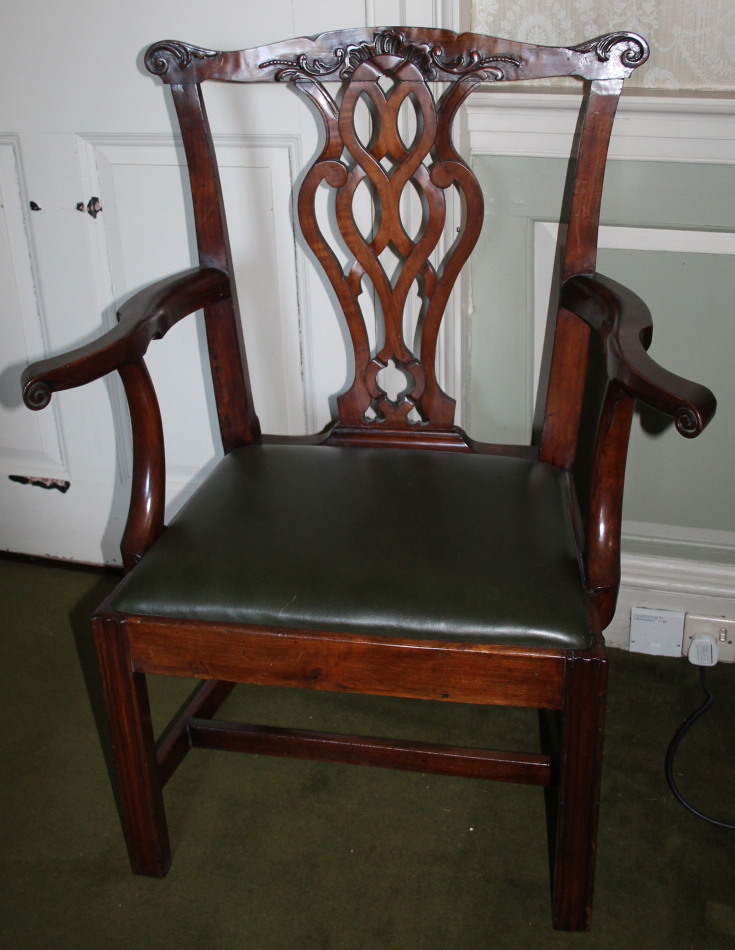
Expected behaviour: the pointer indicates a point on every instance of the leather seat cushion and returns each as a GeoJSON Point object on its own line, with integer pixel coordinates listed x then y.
{"type": "Point", "coordinates": [387, 542]}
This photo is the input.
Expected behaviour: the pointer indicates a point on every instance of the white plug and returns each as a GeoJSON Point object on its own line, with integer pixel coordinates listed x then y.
{"type": "Point", "coordinates": [703, 650]}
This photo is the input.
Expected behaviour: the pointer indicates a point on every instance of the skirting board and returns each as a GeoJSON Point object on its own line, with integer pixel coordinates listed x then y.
{"type": "Point", "coordinates": [671, 584]}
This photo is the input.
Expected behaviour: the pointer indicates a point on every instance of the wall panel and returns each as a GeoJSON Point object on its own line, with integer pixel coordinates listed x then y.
{"type": "Point", "coordinates": [668, 232]}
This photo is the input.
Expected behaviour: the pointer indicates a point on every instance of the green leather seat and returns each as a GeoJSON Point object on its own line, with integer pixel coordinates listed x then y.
{"type": "Point", "coordinates": [326, 538]}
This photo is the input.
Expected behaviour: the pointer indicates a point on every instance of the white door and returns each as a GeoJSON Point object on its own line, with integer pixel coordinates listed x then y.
{"type": "Point", "coordinates": [84, 125]}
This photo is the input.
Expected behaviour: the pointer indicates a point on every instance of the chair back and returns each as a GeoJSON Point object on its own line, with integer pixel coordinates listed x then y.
{"type": "Point", "coordinates": [391, 171]}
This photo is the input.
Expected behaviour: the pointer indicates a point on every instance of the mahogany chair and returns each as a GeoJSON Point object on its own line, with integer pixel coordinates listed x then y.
{"type": "Point", "coordinates": [281, 570]}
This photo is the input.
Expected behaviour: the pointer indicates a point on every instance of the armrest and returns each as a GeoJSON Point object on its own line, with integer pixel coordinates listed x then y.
{"type": "Point", "coordinates": [624, 322]}
{"type": "Point", "coordinates": [148, 315]}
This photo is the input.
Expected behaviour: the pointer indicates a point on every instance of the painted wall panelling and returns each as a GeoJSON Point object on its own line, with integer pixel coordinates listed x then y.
{"type": "Point", "coordinates": [669, 219]}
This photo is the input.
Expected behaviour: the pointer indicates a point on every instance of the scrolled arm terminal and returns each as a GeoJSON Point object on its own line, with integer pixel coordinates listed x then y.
{"type": "Point", "coordinates": [148, 315]}
{"type": "Point", "coordinates": [624, 323]}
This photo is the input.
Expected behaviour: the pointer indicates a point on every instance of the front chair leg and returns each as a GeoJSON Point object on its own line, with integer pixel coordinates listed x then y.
{"type": "Point", "coordinates": [582, 731]}
{"type": "Point", "coordinates": [131, 734]}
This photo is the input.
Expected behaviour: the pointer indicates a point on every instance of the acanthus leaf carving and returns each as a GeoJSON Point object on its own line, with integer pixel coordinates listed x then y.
{"type": "Point", "coordinates": [301, 68]}
{"type": "Point", "coordinates": [631, 48]}
{"type": "Point", "coordinates": [474, 63]}
{"type": "Point", "coordinates": [161, 57]}
{"type": "Point", "coordinates": [429, 60]}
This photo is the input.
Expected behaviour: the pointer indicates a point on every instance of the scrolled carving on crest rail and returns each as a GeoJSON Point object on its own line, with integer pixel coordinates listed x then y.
{"type": "Point", "coordinates": [301, 68]}
{"type": "Point", "coordinates": [427, 59]}
{"type": "Point", "coordinates": [634, 51]}
{"type": "Point", "coordinates": [162, 56]}
{"type": "Point", "coordinates": [390, 43]}
{"type": "Point", "coordinates": [474, 63]}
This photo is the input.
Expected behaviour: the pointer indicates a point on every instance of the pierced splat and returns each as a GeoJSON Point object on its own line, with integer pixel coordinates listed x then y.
{"type": "Point", "coordinates": [429, 164]}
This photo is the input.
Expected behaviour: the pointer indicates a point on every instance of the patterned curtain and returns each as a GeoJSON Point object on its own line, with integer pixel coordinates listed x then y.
{"type": "Point", "coordinates": [692, 41]}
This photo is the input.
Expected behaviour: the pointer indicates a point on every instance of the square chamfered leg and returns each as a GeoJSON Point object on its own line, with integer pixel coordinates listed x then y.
{"type": "Point", "coordinates": [580, 772]}
{"type": "Point", "coordinates": [133, 746]}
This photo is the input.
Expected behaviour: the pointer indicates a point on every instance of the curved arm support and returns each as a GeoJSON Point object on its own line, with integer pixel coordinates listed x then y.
{"type": "Point", "coordinates": [148, 315]}
{"type": "Point", "coordinates": [148, 491]}
{"type": "Point", "coordinates": [605, 518]}
{"type": "Point", "coordinates": [624, 323]}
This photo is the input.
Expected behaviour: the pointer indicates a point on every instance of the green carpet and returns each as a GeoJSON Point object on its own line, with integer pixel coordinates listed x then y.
{"type": "Point", "coordinates": [273, 854]}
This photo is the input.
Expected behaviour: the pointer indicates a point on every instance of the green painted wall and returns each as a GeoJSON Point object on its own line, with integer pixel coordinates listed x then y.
{"type": "Point", "coordinates": [672, 481]}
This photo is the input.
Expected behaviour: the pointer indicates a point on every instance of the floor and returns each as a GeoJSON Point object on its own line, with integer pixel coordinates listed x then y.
{"type": "Point", "coordinates": [280, 854]}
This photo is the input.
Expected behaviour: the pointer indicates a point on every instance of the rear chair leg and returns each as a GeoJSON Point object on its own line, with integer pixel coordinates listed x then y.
{"type": "Point", "coordinates": [582, 732]}
{"type": "Point", "coordinates": [133, 745]}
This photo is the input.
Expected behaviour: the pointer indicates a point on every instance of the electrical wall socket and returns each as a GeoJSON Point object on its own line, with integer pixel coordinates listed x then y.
{"type": "Point", "coordinates": [722, 629]}
{"type": "Point", "coordinates": [654, 631]}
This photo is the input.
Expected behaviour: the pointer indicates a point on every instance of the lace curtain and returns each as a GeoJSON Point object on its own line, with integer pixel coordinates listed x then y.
{"type": "Point", "coordinates": [692, 41]}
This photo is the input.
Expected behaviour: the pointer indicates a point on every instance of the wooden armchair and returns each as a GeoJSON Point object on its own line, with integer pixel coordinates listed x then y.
{"type": "Point", "coordinates": [391, 554]}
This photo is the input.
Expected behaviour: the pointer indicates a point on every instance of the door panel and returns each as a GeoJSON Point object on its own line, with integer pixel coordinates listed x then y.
{"type": "Point", "coordinates": [88, 122]}
{"type": "Point", "coordinates": [26, 443]}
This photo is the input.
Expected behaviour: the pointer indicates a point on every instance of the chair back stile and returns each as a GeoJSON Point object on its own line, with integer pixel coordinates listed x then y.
{"type": "Point", "coordinates": [581, 218]}
{"type": "Point", "coordinates": [236, 412]}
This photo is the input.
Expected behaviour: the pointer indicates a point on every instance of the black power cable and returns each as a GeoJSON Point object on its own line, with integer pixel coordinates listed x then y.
{"type": "Point", "coordinates": [674, 745]}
